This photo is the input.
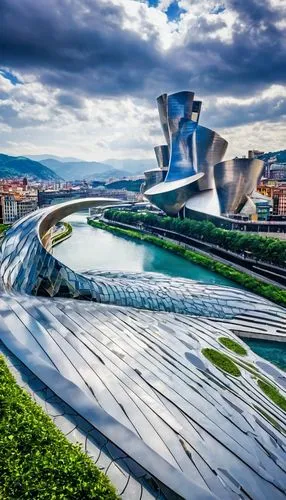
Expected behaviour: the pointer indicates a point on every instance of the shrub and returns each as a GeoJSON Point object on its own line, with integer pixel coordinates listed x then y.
{"type": "Point", "coordinates": [273, 393]}
{"type": "Point", "coordinates": [233, 346]}
{"type": "Point", "coordinates": [36, 460]}
{"type": "Point", "coordinates": [221, 361]}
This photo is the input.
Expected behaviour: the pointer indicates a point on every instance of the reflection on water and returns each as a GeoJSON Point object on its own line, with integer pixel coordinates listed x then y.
{"type": "Point", "coordinates": [90, 248]}
{"type": "Point", "coordinates": [275, 352]}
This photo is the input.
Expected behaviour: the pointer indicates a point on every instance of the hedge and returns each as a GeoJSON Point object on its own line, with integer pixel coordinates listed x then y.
{"type": "Point", "coordinates": [271, 292]}
{"type": "Point", "coordinates": [270, 250]}
{"type": "Point", "coordinates": [36, 459]}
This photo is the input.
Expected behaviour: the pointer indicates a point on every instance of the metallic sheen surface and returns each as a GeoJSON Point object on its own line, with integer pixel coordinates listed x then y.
{"type": "Point", "coordinates": [235, 180]}
{"type": "Point", "coordinates": [210, 149]}
{"type": "Point", "coordinates": [172, 196]}
{"type": "Point", "coordinates": [163, 114]}
{"type": "Point", "coordinates": [153, 177]}
{"type": "Point", "coordinates": [162, 155]}
{"type": "Point", "coordinates": [124, 373]}
{"type": "Point", "coordinates": [181, 128]}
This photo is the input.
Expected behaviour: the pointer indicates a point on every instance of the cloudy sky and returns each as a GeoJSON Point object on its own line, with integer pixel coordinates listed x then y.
{"type": "Point", "coordinates": [80, 77]}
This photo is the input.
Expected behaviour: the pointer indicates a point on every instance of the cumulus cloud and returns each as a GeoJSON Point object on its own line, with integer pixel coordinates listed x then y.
{"type": "Point", "coordinates": [78, 62]}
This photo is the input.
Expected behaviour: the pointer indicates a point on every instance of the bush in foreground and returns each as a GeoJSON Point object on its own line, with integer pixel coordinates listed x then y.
{"type": "Point", "coordinates": [36, 460]}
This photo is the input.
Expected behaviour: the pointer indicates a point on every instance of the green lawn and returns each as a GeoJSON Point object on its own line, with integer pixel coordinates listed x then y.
{"type": "Point", "coordinates": [36, 459]}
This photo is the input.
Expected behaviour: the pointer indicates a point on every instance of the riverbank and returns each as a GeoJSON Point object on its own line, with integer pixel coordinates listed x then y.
{"type": "Point", "coordinates": [269, 291]}
{"type": "Point", "coordinates": [62, 235]}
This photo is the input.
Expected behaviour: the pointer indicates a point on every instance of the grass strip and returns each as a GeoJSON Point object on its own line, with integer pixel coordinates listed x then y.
{"type": "Point", "coordinates": [233, 346]}
{"type": "Point", "coordinates": [221, 361]}
{"type": "Point", "coordinates": [63, 234]}
{"type": "Point", "coordinates": [270, 292]}
{"type": "Point", "coordinates": [36, 459]}
{"type": "Point", "coordinates": [273, 393]}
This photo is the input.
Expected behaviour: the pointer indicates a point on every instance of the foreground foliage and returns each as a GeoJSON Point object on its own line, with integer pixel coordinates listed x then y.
{"type": "Point", "coordinates": [233, 346]}
{"type": "Point", "coordinates": [36, 460]}
{"type": "Point", "coordinates": [221, 361]}
{"type": "Point", "coordinates": [270, 250]}
{"type": "Point", "coordinates": [268, 291]}
{"type": "Point", "coordinates": [4, 227]}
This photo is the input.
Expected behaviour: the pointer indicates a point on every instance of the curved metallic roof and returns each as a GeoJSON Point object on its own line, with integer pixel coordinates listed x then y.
{"type": "Point", "coordinates": [131, 382]}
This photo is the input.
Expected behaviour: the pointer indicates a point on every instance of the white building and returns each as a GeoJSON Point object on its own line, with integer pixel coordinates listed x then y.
{"type": "Point", "coordinates": [14, 208]}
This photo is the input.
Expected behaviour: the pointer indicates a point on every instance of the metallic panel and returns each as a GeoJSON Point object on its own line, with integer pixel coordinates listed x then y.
{"type": "Point", "coordinates": [210, 149]}
{"type": "Point", "coordinates": [162, 155]}
{"type": "Point", "coordinates": [205, 202]}
{"type": "Point", "coordinates": [153, 177]}
{"type": "Point", "coordinates": [171, 196]}
{"type": "Point", "coordinates": [181, 128]}
{"type": "Point", "coordinates": [235, 180]}
{"type": "Point", "coordinates": [163, 114]}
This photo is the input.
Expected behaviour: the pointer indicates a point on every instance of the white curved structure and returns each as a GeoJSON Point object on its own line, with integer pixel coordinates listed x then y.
{"type": "Point", "coordinates": [131, 382]}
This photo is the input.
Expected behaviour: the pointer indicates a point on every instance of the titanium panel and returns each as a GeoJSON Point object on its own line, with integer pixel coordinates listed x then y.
{"type": "Point", "coordinates": [235, 180]}
{"type": "Point", "coordinates": [181, 128]}
{"type": "Point", "coordinates": [162, 155]}
{"type": "Point", "coordinates": [171, 196]}
{"type": "Point", "coordinates": [210, 148]}
{"type": "Point", "coordinates": [153, 177]}
{"type": "Point", "coordinates": [162, 101]}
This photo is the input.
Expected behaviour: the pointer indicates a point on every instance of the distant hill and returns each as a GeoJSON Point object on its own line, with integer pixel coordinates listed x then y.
{"type": "Point", "coordinates": [280, 155]}
{"type": "Point", "coordinates": [109, 173]}
{"type": "Point", "coordinates": [53, 157]}
{"type": "Point", "coordinates": [134, 167]}
{"type": "Point", "coordinates": [19, 166]}
{"type": "Point", "coordinates": [78, 170]}
{"type": "Point", "coordinates": [74, 168]}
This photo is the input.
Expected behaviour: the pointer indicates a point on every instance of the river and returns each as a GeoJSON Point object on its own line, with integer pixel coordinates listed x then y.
{"type": "Point", "coordinates": [90, 248]}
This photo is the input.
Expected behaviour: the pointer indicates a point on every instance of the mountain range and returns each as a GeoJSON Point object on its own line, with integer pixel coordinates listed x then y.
{"type": "Point", "coordinates": [20, 166]}
{"type": "Point", "coordinates": [74, 169]}
{"type": "Point", "coordinates": [50, 167]}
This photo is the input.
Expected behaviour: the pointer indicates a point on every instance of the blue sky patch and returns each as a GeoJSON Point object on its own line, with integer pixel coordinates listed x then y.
{"type": "Point", "coordinates": [174, 11]}
{"type": "Point", "coordinates": [9, 76]}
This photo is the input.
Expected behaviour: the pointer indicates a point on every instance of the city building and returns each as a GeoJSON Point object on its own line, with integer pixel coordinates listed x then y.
{"type": "Point", "coordinates": [14, 207]}
{"type": "Point", "coordinates": [193, 176]}
{"type": "Point", "coordinates": [254, 153]}
{"type": "Point", "coordinates": [277, 171]}
{"type": "Point", "coordinates": [17, 199]}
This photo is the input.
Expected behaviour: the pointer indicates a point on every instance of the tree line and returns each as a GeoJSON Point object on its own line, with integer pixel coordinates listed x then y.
{"type": "Point", "coordinates": [271, 250]}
